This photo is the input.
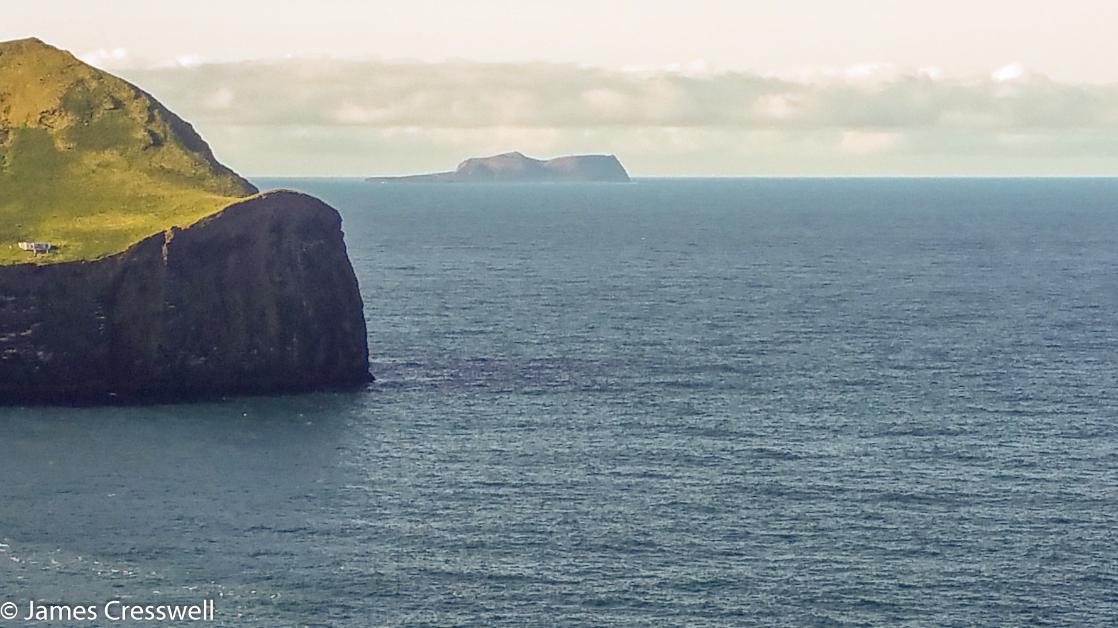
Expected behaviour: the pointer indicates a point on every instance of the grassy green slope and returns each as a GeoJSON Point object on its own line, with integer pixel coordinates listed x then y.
{"type": "Point", "coordinates": [91, 163]}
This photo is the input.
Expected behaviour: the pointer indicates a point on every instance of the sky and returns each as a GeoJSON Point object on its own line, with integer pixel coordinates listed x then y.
{"type": "Point", "coordinates": [694, 88]}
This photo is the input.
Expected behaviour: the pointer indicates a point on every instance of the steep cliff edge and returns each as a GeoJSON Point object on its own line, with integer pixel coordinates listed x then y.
{"type": "Point", "coordinates": [236, 292]}
{"type": "Point", "coordinates": [259, 297]}
{"type": "Point", "coordinates": [516, 167]}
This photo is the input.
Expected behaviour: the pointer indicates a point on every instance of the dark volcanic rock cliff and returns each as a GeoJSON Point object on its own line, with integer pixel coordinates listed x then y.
{"type": "Point", "coordinates": [516, 167]}
{"type": "Point", "coordinates": [258, 297]}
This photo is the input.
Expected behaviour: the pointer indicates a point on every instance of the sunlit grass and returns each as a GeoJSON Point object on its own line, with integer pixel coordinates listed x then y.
{"type": "Point", "coordinates": [87, 205]}
{"type": "Point", "coordinates": [91, 164]}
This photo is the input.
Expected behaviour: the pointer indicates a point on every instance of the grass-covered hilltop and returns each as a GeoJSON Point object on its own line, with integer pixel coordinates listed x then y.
{"type": "Point", "coordinates": [90, 163]}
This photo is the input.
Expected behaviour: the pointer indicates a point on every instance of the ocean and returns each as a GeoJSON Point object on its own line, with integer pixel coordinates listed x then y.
{"type": "Point", "coordinates": [702, 402]}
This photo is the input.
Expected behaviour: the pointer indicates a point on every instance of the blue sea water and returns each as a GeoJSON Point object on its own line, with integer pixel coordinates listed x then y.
{"type": "Point", "coordinates": [675, 402]}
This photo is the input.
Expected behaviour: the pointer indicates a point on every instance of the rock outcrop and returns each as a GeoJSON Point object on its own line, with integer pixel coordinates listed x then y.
{"type": "Point", "coordinates": [236, 291]}
{"type": "Point", "coordinates": [258, 297]}
{"type": "Point", "coordinates": [516, 167]}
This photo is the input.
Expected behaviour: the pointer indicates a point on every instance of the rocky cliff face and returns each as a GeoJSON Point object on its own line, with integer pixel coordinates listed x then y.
{"type": "Point", "coordinates": [258, 297]}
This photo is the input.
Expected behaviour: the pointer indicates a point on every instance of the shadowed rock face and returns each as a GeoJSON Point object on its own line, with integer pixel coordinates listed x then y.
{"type": "Point", "coordinates": [258, 297]}
{"type": "Point", "coordinates": [516, 167]}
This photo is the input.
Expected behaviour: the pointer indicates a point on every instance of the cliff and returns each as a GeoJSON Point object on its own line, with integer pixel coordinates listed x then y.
{"type": "Point", "coordinates": [91, 163]}
{"type": "Point", "coordinates": [516, 167]}
{"type": "Point", "coordinates": [169, 276]}
{"type": "Point", "coordinates": [259, 297]}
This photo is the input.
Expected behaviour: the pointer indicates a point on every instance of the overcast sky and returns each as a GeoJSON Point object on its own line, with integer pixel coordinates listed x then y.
{"type": "Point", "coordinates": [812, 87]}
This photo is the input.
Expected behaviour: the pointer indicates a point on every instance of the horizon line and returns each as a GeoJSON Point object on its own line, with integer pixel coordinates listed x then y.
{"type": "Point", "coordinates": [742, 176]}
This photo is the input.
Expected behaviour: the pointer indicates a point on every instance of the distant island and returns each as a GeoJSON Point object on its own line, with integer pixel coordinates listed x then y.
{"type": "Point", "coordinates": [134, 264]}
{"type": "Point", "coordinates": [515, 167]}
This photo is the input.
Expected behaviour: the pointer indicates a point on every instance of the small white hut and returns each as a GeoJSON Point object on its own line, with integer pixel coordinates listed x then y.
{"type": "Point", "coordinates": [35, 247]}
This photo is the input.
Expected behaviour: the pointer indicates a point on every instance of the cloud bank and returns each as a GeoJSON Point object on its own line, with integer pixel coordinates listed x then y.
{"type": "Point", "coordinates": [308, 116]}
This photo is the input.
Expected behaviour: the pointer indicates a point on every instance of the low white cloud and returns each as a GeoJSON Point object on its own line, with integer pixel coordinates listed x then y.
{"type": "Point", "coordinates": [862, 119]}
{"type": "Point", "coordinates": [471, 95]}
{"type": "Point", "coordinates": [930, 72]}
{"type": "Point", "coordinates": [1011, 72]}
{"type": "Point", "coordinates": [106, 58]}
{"type": "Point", "coordinates": [122, 59]}
{"type": "Point", "coordinates": [864, 71]}
{"type": "Point", "coordinates": [219, 99]}
{"type": "Point", "coordinates": [189, 60]}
